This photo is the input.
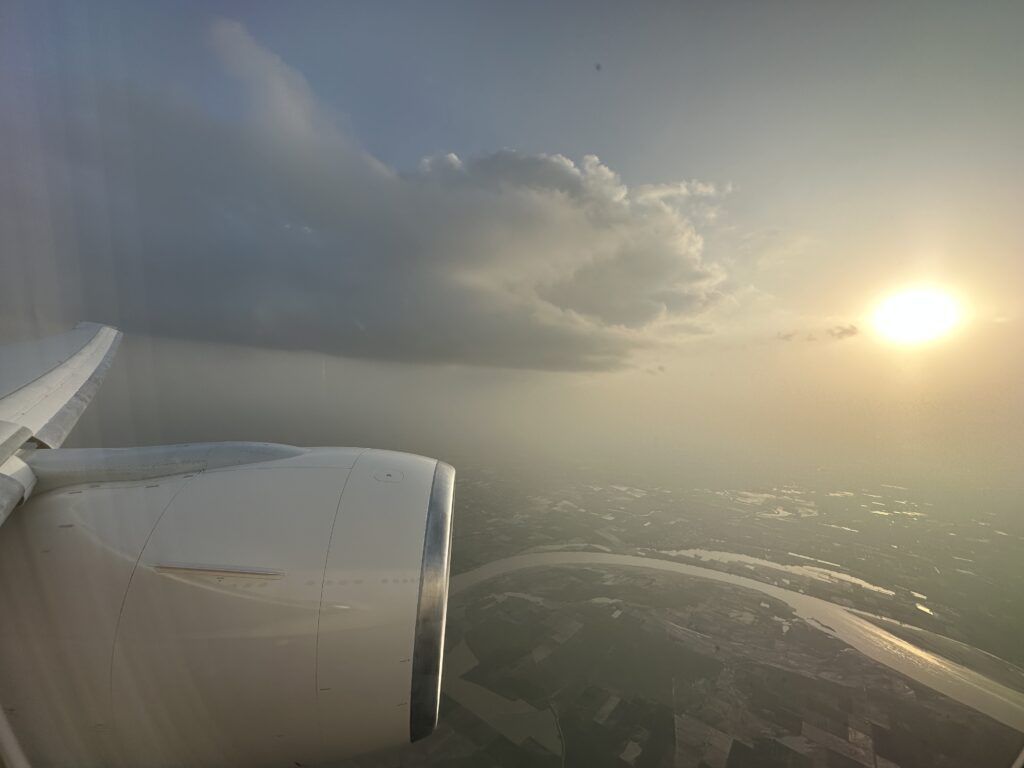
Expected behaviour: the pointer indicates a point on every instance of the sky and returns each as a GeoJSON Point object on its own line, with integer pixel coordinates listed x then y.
{"type": "Point", "coordinates": [646, 236]}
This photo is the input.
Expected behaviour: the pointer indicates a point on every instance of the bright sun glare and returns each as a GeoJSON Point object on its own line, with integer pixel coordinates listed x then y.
{"type": "Point", "coordinates": [916, 316]}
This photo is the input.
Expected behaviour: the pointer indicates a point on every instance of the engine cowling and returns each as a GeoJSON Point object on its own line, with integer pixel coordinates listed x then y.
{"type": "Point", "coordinates": [279, 609]}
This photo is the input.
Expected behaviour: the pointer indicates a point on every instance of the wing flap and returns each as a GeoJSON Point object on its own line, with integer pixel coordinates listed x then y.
{"type": "Point", "coordinates": [12, 437]}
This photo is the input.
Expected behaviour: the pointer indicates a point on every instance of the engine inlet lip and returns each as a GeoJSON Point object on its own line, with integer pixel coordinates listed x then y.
{"type": "Point", "coordinates": [432, 608]}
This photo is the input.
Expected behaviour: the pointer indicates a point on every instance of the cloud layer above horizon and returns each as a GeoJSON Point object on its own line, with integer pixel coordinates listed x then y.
{"type": "Point", "coordinates": [163, 216]}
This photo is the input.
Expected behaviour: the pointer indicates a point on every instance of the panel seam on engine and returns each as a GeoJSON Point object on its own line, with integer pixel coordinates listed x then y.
{"type": "Point", "coordinates": [320, 605]}
{"type": "Point", "coordinates": [124, 602]}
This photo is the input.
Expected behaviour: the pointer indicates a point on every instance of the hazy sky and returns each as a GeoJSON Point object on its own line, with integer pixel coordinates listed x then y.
{"type": "Point", "coordinates": [641, 233]}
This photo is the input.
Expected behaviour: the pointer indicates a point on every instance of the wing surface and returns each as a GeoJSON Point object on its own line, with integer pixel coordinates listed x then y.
{"type": "Point", "coordinates": [44, 387]}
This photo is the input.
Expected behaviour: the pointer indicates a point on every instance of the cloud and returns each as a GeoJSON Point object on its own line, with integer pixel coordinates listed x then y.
{"type": "Point", "coordinates": [279, 230]}
{"type": "Point", "coordinates": [843, 331]}
{"type": "Point", "coordinates": [838, 332]}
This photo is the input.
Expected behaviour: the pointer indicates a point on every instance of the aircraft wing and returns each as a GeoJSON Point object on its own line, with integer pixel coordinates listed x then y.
{"type": "Point", "coordinates": [44, 387]}
{"type": "Point", "coordinates": [322, 573]}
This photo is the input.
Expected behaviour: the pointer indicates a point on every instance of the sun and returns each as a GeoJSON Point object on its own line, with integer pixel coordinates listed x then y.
{"type": "Point", "coordinates": [916, 316]}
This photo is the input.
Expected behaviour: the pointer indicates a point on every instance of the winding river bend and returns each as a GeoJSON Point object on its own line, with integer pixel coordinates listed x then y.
{"type": "Point", "coordinates": [999, 702]}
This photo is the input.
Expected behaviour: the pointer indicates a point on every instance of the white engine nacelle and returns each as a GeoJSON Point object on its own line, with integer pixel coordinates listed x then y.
{"type": "Point", "coordinates": [224, 605]}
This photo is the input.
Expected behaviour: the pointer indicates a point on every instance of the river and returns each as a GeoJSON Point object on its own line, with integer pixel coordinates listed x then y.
{"type": "Point", "coordinates": [970, 688]}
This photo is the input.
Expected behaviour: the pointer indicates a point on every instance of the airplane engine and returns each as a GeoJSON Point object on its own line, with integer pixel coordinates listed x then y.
{"type": "Point", "coordinates": [224, 605]}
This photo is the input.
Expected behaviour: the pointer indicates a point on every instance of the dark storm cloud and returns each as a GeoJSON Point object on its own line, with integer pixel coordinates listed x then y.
{"type": "Point", "coordinates": [280, 231]}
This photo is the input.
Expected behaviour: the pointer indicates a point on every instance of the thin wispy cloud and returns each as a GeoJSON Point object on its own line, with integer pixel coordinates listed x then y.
{"type": "Point", "coordinates": [840, 332]}
{"type": "Point", "coordinates": [836, 332]}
